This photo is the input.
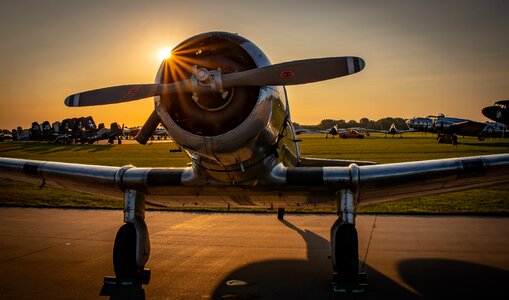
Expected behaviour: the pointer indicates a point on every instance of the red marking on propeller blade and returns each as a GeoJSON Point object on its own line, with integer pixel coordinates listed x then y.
{"type": "Point", "coordinates": [134, 90]}
{"type": "Point", "coordinates": [287, 74]}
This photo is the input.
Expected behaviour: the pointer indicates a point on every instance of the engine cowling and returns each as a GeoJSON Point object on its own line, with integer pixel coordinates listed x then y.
{"type": "Point", "coordinates": [221, 131]}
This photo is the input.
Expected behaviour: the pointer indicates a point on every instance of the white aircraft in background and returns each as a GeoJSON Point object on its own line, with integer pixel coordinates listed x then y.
{"type": "Point", "coordinates": [393, 130]}
{"type": "Point", "coordinates": [225, 104]}
{"type": "Point", "coordinates": [446, 127]}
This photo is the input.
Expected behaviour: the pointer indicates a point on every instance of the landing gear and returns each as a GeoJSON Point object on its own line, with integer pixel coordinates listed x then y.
{"type": "Point", "coordinates": [124, 256]}
{"type": "Point", "coordinates": [132, 246]}
{"type": "Point", "coordinates": [345, 248]}
{"type": "Point", "coordinates": [280, 213]}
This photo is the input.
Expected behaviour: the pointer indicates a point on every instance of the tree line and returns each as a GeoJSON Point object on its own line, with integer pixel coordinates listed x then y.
{"type": "Point", "coordinates": [381, 124]}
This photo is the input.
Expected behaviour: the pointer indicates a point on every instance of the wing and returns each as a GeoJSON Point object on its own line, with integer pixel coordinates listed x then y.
{"type": "Point", "coordinates": [467, 128]}
{"type": "Point", "coordinates": [286, 186]}
{"type": "Point", "coordinates": [310, 131]}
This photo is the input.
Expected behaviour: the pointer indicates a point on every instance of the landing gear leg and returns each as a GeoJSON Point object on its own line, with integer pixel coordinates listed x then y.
{"type": "Point", "coordinates": [132, 245]}
{"type": "Point", "coordinates": [280, 213]}
{"type": "Point", "coordinates": [345, 251]}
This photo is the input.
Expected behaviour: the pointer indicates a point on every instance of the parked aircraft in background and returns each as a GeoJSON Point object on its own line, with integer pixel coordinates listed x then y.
{"type": "Point", "coordinates": [111, 134]}
{"type": "Point", "coordinates": [332, 131]}
{"type": "Point", "coordinates": [5, 135]}
{"type": "Point", "coordinates": [392, 131]}
{"type": "Point", "coordinates": [499, 112]}
{"type": "Point", "coordinates": [79, 130]}
{"type": "Point", "coordinates": [343, 133]}
{"type": "Point", "coordinates": [160, 133]}
{"type": "Point", "coordinates": [445, 127]}
{"type": "Point", "coordinates": [225, 104]}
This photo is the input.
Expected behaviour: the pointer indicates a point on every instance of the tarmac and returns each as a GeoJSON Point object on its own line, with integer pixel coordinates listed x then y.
{"type": "Point", "coordinates": [65, 253]}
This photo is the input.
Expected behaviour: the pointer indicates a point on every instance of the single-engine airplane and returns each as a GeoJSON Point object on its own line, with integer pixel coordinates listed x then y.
{"type": "Point", "coordinates": [343, 133]}
{"type": "Point", "coordinates": [333, 131]}
{"type": "Point", "coordinates": [393, 130]}
{"type": "Point", "coordinates": [225, 104]}
{"type": "Point", "coordinates": [111, 134]}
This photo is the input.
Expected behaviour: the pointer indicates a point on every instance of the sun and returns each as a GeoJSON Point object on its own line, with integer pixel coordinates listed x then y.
{"type": "Point", "coordinates": [164, 53]}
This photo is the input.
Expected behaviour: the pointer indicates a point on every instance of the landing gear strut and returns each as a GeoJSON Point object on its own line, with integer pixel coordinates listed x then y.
{"type": "Point", "coordinates": [132, 245]}
{"type": "Point", "coordinates": [345, 247]}
{"type": "Point", "coordinates": [280, 213]}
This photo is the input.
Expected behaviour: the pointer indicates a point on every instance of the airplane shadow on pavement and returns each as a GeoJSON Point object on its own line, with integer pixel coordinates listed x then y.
{"type": "Point", "coordinates": [454, 279]}
{"type": "Point", "coordinates": [308, 279]}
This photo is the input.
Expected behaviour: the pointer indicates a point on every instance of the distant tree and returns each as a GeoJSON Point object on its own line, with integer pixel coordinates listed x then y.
{"type": "Point", "coordinates": [381, 124]}
{"type": "Point", "coordinates": [364, 122]}
{"type": "Point", "coordinates": [352, 123]}
{"type": "Point", "coordinates": [327, 123]}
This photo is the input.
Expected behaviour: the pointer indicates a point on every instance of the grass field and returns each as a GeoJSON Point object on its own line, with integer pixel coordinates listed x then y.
{"type": "Point", "coordinates": [492, 200]}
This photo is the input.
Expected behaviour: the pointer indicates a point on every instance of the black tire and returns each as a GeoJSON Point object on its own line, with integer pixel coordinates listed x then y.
{"type": "Point", "coordinates": [124, 253]}
{"type": "Point", "coordinates": [346, 252]}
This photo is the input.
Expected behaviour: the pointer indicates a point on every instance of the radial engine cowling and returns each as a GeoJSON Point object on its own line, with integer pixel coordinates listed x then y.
{"type": "Point", "coordinates": [220, 129]}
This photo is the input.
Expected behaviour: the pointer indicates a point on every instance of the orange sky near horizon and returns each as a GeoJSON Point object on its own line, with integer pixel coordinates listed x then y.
{"type": "Point", "coordinates": [421, 58]}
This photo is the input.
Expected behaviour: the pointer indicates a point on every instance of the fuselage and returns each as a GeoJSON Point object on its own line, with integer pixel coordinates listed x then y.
{"type": "Point", "coordinates": [436, 124]}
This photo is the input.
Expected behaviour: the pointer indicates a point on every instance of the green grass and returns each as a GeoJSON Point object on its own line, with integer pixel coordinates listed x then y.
{"type": "Point", "coordinates": [491, 200]}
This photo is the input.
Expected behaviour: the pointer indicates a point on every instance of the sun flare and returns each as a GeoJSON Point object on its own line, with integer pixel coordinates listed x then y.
{"type": "Point", "coordinates": [164, 53]}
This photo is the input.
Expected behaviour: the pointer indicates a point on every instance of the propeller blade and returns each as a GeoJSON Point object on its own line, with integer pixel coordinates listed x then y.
{"type": "Point", "coordinates": [296, 72]}
{"type": "Point", "coordinates": [148, 128]}
{"type": "Point", "coordinates": [115, 94]}
{"type": "Point", "coordinates": [125, 93]}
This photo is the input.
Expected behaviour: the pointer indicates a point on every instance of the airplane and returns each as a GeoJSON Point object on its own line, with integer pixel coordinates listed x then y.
{"type": "Point", "coordinates": [160, 132]}
{"type": "Point", "coordinates": [111, 134]}
{"type": "Point", "coordinates": [224, 103]}
{"type": "Point", "coordinates": [499, 112]}
{"type": "Point", "coordinates": [393, 130]}
{"type": "Point", "coordinates": [5, 135]}
{"type": "Point", "coordinates": [334, 130]}
{"type": "Point", "coordinates": [20, 134]}
{"type": "Point", "coordinates": [343, 133]}
{"type": "Point", "coordinates": [445, 127]}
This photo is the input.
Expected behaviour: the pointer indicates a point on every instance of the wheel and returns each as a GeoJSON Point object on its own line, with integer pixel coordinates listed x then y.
{"type": "Point", "coordinates": [124, 253]}
{"type": "Point", "coordinates": [345, 251]}
{"type": "Point", "coordinates": [280, 213]}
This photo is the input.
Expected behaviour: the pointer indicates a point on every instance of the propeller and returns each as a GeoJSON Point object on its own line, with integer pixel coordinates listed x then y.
{"type": "Point", "coordinates": [206, 81]}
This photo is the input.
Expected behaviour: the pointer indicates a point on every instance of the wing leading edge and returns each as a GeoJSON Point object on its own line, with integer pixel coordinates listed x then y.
{"type": "Point", "coordinates": [289, 186]}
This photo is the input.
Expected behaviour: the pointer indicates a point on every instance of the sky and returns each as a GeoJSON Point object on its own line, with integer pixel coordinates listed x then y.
{"type": "Point", "coordinates": [422, 57]}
